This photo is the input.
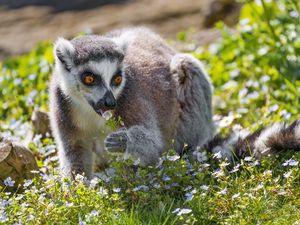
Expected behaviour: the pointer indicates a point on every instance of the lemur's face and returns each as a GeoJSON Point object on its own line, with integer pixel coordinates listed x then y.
{"type": "Point", "coordinates": [91, 67]}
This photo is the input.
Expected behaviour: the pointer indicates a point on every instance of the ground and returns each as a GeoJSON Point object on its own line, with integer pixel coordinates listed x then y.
{"type": "Point", "coordinates": [24, 23]}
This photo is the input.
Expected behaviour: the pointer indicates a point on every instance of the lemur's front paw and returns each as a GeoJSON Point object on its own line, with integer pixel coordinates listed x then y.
{"type": "Point", "coordinates": [116, 141]}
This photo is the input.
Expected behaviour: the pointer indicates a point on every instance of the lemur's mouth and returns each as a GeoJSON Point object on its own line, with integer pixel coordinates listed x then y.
{"type": "Point", "coordinates": [105, 113]}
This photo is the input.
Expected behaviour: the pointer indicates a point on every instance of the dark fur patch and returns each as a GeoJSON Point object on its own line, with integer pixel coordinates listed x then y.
{"type": "Point", "coordinates": [64, 118]}
{"type": "Point", "coordinates": [216, 141]}
{"type": "Point", "coordinates": [244, 147]}
{"type": "Point", "coordinates": [286, 139]}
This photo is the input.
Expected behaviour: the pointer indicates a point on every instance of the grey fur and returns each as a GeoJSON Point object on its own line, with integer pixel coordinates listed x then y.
{"type": "Point", "coordinates": [165, 96]}
{"type": "Point", "coordinates": [95, 48]}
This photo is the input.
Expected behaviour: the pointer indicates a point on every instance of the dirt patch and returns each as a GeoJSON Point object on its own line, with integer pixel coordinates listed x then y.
{"type": "Point", "coordinates": [24, 23]}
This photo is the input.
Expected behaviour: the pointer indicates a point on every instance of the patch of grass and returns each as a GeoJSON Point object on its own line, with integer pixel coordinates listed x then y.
{"type": "Point", "coordinates": [255, 70]}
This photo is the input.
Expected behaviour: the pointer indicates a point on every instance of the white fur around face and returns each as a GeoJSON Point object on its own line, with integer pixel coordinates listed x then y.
{"type": "Point", "coordinates": [107, 69]}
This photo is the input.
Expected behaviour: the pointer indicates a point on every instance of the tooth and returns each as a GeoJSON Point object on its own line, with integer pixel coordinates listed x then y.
{"type": "Point", "coordinates": [107, 115]}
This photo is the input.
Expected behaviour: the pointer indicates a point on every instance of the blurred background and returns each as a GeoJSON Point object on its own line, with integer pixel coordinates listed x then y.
{"type": "Point", "coordinates": [23, 23]}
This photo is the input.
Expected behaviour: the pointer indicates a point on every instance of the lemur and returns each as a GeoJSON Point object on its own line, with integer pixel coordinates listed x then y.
{"type": "Point", "coordinates": [163, 97]}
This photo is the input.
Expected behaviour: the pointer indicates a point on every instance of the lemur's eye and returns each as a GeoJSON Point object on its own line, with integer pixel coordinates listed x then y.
{"type": "Point", "coordinates": [117, 80]}
{"type": "Point", "coordinates": [88, 79]}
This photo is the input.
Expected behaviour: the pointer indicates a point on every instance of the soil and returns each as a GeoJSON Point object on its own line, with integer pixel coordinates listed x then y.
{"type": "Point", "coordinates": [23, 23]}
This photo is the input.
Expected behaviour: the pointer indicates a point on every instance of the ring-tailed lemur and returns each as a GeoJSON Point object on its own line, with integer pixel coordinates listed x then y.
{"type": "Point", "coordinates": [163, 98]}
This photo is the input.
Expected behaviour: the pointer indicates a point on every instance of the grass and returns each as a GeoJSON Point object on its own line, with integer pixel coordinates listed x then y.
{"type": "Point", "coordinates": [256, 76]}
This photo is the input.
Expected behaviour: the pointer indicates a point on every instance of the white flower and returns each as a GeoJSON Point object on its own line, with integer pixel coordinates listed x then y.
{"type": "Point", "coordinates": [79, 178]}
{"type": "Point", "coordinates": [244, 21]}
{"type": "Point", "coordinates": [3, 216]}
{"type": "Point", "coordinates": [253, 95]}
{"type": "Point", "coordinates": [282, 192]}
{"type": "Point", "coordinates": [103, 191]}
{"type": "Point", "coordinates": [285, 114]}
{"type": "Point", "coordinates": [234, 73]}
{"type": "Point", "coordinates": [189, 196]}
{"type": "Point", "coordinates": [69, 204]}
{"type": "Point", "coordinates": [223, 191]}
{"type": "Point", "coordinates": [173, 158]}
{"type": "Point", "coordinates": [188, 188]}
{"type": "Point", "coordinates": [9, 182]}
{"type": "Point", "coordinates": [294, 14]}
{"type": "Point", "coordinates": [19, 197]}
{"type": "Point", "coordinates": [235, 168]}
{"type": "Point", "coordinates": [81, 222]}
{"type": "Point", "coordinates": [32, 76]}
{"type": "Point", "coordinates": [287, 174]}
{"type": "Point", "coordinates": [3, 204]}
{"type": "Point", "coordinates": [94, 182]}
{"type": "Point", "coordinates": [226, 121]}
{"type": "Point", "coordinates": [144, 187]}
{"type": "Point", "coordinates": [290, 162]}
{"type": "Point", "coordinates": [264, 50]}
{"type": "Point", "coordinates": [175, 184]}
{"type": "Point", "coordinates": [166, 178]}
{"type": "Point", "coordinates": [218, 155]}
{"type": "Point", "coordinates": [117, 190]}
{"type": "Point", "coordinates": [27, 183]}
{"type": "Point", "coordinates": [156, 185]}
{"type": "Point", "coordinates": [184, 211]}
{"type": "Point", "coordinates": [273, 108]}
{"type": "Point", "coordinates": [31, 217]}
{"type": "Point", "coordinates": [242, 110]}
{"type": "Point", "coordinates": [94, 213]}
{"type": "Point", "coordinates": [17, 81]}
{"type": "Point", "coordinates": [229, 85]}
{"type": "Point", "coordinates": [137, 162]}
{"type": "Point", "coordinates": [265, 78]}
{"type": "Point", "coordinates": [252, 83]}
{"type": "Point", "coordinates": [204, 187]}
{"type": "Point", "coordinates": [236, 195]}
{"type": "Point", "coordinates": [243, 92]}
{"type": "Point", "coordinates": [248, 159]}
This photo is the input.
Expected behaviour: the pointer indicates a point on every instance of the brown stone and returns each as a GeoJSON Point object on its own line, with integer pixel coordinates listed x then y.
{"type": "Point", "coordinates": [17, 162]}
{"type": "Point", "coordinates": [40, 122]}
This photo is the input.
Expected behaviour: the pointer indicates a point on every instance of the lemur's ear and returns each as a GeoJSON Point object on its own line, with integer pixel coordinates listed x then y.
{"type": "Point", "coordinates": [64, 52]}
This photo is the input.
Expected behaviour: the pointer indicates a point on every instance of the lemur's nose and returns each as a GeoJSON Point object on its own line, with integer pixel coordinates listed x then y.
{"type": "Point", "coordinates": [109, 100]}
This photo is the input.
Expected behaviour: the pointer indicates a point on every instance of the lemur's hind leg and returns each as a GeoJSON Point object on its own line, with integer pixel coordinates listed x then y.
{"type": "Point", "coordinates": [194, 93]}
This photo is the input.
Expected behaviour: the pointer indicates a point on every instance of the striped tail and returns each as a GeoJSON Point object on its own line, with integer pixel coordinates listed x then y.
{"type": "Point", "coordinates": [276, 138]}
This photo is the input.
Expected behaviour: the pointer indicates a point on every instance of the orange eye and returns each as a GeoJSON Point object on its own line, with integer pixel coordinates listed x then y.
{"type": "Point", "coordinates": [117, 80]}
{"type": "Point", "coordinates": [88, 79]}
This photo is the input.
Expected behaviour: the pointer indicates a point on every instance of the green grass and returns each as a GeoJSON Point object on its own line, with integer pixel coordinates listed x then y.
{"type": "Point", "coordinates": [256, 75]}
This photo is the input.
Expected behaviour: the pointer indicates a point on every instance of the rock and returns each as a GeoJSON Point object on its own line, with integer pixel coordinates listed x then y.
{"type": "Point", "coordinates": [16, 162]}
{"type": "Point", "coordinates": [226, 10]}
{"type": "Point", "coordinates": [40, 122]}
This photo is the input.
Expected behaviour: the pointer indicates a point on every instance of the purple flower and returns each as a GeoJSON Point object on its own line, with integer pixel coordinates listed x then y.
{"type": "Point", "coordinates": [290, 162]}
{"type": "Point", "coordinates": [9, 182]}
